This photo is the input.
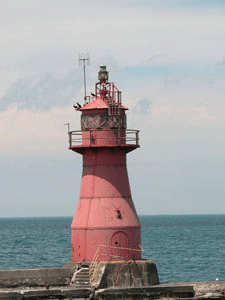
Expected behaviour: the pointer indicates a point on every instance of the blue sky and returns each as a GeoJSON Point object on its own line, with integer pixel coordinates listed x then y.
{"type": "Point", "coordinates": [168, 59]}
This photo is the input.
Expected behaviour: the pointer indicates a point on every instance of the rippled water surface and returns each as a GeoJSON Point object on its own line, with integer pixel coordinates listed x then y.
{"type": "Point", "coordinates": [184, 248]}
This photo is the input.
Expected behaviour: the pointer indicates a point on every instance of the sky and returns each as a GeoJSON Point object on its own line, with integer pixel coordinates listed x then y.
{"type": "Point", "coordinates": [168, 59]}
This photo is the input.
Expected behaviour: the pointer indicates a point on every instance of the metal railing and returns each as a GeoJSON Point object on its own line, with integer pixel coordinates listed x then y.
{"type": "Point", "coordinates": [96, 262]}
{"type": "Point", "coordinates": [109, 92]}
{"type": "Point", "coordinates": [121, 137]}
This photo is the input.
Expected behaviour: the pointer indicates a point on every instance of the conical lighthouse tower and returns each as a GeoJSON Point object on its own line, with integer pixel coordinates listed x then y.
{"type": "Point", "coordinates": [105, 221]}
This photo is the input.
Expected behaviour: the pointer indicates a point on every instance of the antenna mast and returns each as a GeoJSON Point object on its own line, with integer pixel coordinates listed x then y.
{"type": "Point", "coordinates": [82, 60]}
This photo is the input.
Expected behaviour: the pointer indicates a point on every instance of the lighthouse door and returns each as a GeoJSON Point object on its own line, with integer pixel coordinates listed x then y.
{"type": "Point", "coordinates": [119, 246]}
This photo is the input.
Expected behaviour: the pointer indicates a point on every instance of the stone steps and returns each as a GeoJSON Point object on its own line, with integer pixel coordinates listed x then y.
{"type": "Point", "coordinates": [82, 278]}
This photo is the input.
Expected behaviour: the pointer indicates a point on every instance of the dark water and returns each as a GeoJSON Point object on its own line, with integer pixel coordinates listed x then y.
{"type": "Point", "coordinates": [185, 248]}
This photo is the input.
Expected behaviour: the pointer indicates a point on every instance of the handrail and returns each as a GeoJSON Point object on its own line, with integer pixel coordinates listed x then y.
{"type": "Point", "coordinates": [95, 263]}
{"type": "Point", "coordinates": [129, 136]}
{"type": "Point", "coordinates": [110, 93]}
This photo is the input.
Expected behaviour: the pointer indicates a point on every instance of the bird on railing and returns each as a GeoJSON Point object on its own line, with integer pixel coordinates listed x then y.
{"type": "Point", "coordinates": [77, 106]}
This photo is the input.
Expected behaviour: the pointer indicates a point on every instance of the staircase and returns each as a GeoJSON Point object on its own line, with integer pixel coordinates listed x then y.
{"type": "Point", "coordinates": [81, 278]}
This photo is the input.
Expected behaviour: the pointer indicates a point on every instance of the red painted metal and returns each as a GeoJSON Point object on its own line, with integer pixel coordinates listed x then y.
{"type": "Point", "coordinates": [105, 216]}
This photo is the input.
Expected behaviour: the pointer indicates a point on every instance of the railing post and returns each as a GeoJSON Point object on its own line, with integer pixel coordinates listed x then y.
{"type": "Point", "coordinates": [137, 138]}
{"type": "Point", "coordinates": [70, 138]}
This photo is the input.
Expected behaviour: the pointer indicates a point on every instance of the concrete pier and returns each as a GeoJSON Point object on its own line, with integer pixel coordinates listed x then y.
{"type": "Point", "coordinates": [179, 290]}
{"type": "Point", "coordinates": [56, 283]}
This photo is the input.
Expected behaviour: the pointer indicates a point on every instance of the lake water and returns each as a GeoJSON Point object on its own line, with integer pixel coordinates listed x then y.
{"type": "Point", "coordinates": [184, 248]}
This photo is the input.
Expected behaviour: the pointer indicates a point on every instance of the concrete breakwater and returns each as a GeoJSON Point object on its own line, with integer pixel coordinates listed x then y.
{"type": "Point", "coordinates": [195, 290]}
{"type": "Point", "coordinates": [121, 280]}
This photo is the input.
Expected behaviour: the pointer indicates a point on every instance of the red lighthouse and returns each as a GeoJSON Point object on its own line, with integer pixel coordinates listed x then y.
{"type": "Point", "coordinates": [105, 221]}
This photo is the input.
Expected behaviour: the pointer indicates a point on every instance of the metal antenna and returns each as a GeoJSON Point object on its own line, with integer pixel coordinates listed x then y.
{"type": "Point", "coordinates": [82, 59]}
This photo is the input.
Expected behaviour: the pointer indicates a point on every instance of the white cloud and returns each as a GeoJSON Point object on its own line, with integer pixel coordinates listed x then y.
{"type": "Point", "coordinates": [42, 91]}
{"type": "Point", "coordinates": [129, 33]}
{"type": "Point", "coordinates": [25, 132]}
{"type": "Point", "coordinates": [186, 124]}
